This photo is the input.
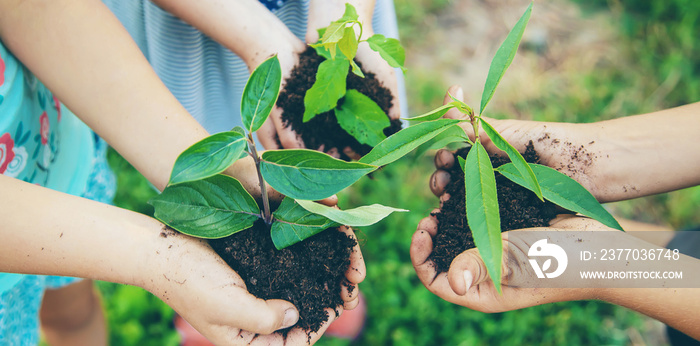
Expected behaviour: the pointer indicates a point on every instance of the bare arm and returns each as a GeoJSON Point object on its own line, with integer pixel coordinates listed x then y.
{"type": "Point", "coordinates": [74, 236]}
{"type": "Point", "coordinates": [83, 54]}
{"type": "Point", "coordinates": [618, 159]}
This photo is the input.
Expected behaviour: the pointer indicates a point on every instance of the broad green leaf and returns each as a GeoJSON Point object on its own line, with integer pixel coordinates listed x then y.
{"type": "Point", "coordinates": [482, 210]}
{"type": "Point", "coordinates": [348, 44]}
{"type": "Point", "coordinates": [215, 207]}
{"type": "Point", "coordinates": [504, 57]}
{"type": "Point", "coordinates": [309, 174]}
{"type": "Point", "coordinates": [362, 118]}
{"type": "Point", "coordinates": [515, 157]}
{"type": "Point", "coordinates": [358, 217]}
{"type": "Point", "coordinates": [453, 134]}
{"type": "Point", "coordinates": [404, 141]}
{"type": "Point", "coordinates": [561, 190]}
{"type": "Point", "coordinates": [435, 114]}
{"type": "Point", "coordinates": [260, 93]}
{"type": "Point", "coordinates": [328, 88]}
{"type": "Point", "coordinates": [390, 50]}
{"type": "Point", "coordinates": [292, 224]}
{"type": "Point", "coordinates": [208, 157]}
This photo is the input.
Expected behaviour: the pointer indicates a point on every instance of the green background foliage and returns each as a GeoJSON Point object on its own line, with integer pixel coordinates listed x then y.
{"type": "Point", "coordinates": [660, 69]}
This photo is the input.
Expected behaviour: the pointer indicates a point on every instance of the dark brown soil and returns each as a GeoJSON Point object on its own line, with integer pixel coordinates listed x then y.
{"type": "Point", "coordinates": [309, 274]}
{"type": "Point", "coordinates": [324, 129]}
{"type": "Point", "coordinates": [518, 206]}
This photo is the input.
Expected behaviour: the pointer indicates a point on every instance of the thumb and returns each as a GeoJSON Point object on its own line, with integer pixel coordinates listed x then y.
{"type": "Point", "coordinates": [467, 270]}
{"type": "Point", "coordinates": [265, 316]}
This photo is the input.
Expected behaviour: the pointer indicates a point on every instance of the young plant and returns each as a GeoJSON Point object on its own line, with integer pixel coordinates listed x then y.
{"type": "Point", "coordinates": [358, 115]}
{"type": "Point", "coordinates": [201, 202]}
{"type": "Point", "coordinates": [480, 184]}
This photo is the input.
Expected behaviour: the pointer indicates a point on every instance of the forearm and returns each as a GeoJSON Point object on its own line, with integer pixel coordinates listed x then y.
{"type": "Point", "coordinates": [246, 27]}
{"type": "Point", "coordinates": [51, 233]}
{"type": "Point", "coordinates": [88, 60]}
{"type": "Point", "coordinates": [649, 154]}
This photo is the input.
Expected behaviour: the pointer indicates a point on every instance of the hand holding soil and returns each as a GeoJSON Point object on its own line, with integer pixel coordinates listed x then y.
{"type": "Point", "coordinates": [467, 282]}
{"type": "Point", "coordinates": [218, 304]}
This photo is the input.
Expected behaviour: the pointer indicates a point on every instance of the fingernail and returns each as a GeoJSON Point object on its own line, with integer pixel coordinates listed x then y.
{"type": "Point", "coordinates": [459, 94]}
{"type": "Point", "coordinates": [291, 316]}
{"type": "Point", "coordinates": [468, 279]}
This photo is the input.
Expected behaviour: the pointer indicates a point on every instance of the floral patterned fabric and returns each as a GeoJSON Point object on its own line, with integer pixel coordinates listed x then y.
{"type": "Point", "coordinates": [44, 144]}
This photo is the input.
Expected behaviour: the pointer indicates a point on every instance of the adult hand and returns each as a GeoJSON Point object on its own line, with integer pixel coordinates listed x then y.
{"type": "Point", "coordinates": [576, 150]}
{"type": "Point", "coordinates": [467, 282]}
{"type": "Point", "coordinates": [205, 291]}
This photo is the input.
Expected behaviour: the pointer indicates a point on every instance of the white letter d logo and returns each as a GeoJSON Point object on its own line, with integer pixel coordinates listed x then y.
{"type": "Point", "coordinates": [541, 248]}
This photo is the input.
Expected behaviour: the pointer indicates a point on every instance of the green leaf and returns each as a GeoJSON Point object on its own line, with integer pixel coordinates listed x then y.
{"type": "Point", "coordinates": [463, 107]}
{"type": "Point", "coordinates": [356, 69]}
{"type": "Point", "coordinates": [208, 157]}
{"type": "Point", "coordinates": [504, 56]}
{"type": "Point", "coordinates": [215, 207]}
{"type": "Point", "coordinates": [293, 224]}
{"type": "Point", "coordinates": [362, 118]}
{"type": "Point", "coordinates": [348, 43]}
{"type": "Point", "coordinates": [358, 217]}
{"type": "Point", "coordinates": [309, 174]}
{"type": "Point", "coordinates": [482, 210]}
{"type": "Point", "coordinates": [390, 50]}
{"type": "Point", "coordinates": [328, 88]}
{"type": "Point", "coordinates": [434, 114]}
{"type": "Point", "coordinates": [453, 134]}
{"type": "Point", "coordinates": [336, 31]}
{"type": "Point", "coordinates": [404, 141]}
{"type": "Point", "coordinates": [260, 93]}
{"type": "Point", "coordinates": [515, 157]}
{"type": "Point", "coordinates": [561, 190]}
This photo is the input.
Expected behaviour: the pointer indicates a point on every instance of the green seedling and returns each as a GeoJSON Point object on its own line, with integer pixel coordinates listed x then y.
{"type": "Point", "coordinates": [202, 202]}
{"type": "Point", "coordinates": [480, 183]}
{"type": "Point", "coordinates": [358, 115]}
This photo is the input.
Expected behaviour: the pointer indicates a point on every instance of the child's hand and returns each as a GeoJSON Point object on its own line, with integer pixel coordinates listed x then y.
{"type": "Point", "coordinates": [203, 289]}
{"type": "Point", "coordinates": [467, 282]}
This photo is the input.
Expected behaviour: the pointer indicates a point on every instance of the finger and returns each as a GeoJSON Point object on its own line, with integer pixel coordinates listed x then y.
{"type": "Point", "coordinates": [457, 92]}
{"type": "Point", "coordinates": [444, 159]}
{"type": "Point", "coordinates": [349, 291]}
{"type": "Point", "coordinates": [267, 135]}
{"type": "Point", "coordinates": [444, 198]}
{"type": "Point", "coordinates": [466, 271]}
{"type": "Point", "coordinates": [438, 182]}
{"type": "Point", "coordinates": [351, 154]}
{"type": "Point", "coordinates": [357, 270]}
{"type": "Point", "coordinates": [429, 224]}
{"type": "Point", "coordinates": [286, 135]}
{"type": "Point", "coordinates": [298, 336]}
{"type": "Point", "coordinates": [421, 248]}
{"type": "Point", "coordinates": [331, 201]}
{"type": "Point", "coordinates": [334, 152]}
{"type": "Point", "coordinates": [262, 316]}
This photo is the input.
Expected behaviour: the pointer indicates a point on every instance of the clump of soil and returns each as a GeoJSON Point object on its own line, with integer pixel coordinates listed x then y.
{"type": "Point", "coordinates": [518, 207]}
{"type": "Point", "coordinates": [323, 129]}
{"type": "Point", "coordinates": [308, 274]}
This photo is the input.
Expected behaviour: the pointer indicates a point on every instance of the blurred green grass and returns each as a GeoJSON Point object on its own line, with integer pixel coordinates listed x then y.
{"type": "Point", "coordinates": [660, 70]}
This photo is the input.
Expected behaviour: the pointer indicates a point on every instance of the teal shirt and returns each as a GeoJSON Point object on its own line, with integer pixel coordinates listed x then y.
{"type": "Point", "coordinates": [41, 142]}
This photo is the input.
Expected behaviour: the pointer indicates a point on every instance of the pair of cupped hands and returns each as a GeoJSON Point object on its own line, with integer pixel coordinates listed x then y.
{"type": "Point", "coordinates": [466, 283]}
